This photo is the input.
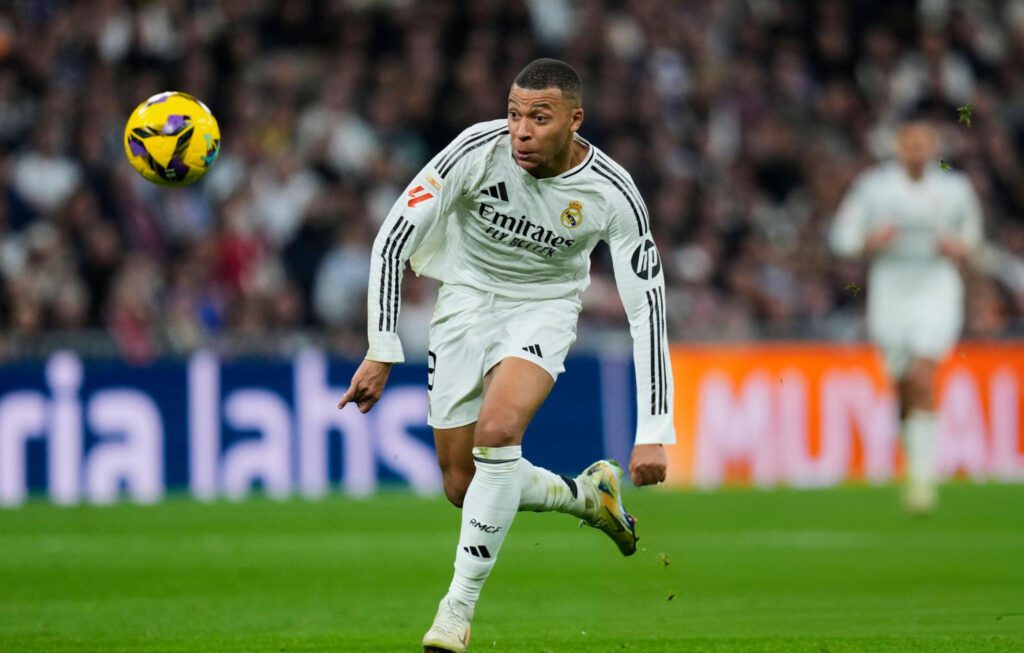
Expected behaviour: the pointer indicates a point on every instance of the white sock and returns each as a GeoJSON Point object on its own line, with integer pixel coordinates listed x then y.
{"type": "Point", "coordinates": [542, 490]}
{"type": "Point", "coordinates": [919, 434]}
{"type": "Point", "coordinates": [491, 503]}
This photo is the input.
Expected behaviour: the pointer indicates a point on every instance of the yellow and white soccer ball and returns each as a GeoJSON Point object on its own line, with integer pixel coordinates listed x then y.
{"type": "Point", "coordinates": [172, 139]}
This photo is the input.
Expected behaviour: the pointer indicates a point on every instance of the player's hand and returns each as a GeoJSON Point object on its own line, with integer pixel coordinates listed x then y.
{"type": "Point", "coordinates": [953, 249]}
{"type": "Point", "coordinates": [367, 385]}
{"type": "Point", "coordinates": [879, 239]}
{"type": "Point", "coordinates": [648, 464]}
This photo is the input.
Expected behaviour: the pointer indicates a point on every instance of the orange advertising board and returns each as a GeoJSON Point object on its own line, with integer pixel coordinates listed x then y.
{"type": "Point", "coordinates": [811, 415]}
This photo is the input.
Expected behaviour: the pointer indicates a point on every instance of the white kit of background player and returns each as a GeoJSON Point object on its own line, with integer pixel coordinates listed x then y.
{"type": "Point", "coordinates": [916, 223]}
{"type": "Point", "coordinates": [512, 250]}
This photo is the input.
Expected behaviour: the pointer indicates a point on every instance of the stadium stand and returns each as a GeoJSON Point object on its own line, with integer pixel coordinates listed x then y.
{"type": "Point", "coordinates": [742, 123]}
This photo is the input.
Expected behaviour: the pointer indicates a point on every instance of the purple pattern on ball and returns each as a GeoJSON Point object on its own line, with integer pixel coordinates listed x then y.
{"type": "Point", "coordinates": [173, 125]}
{"type": "Point", "coordinates": [137, 148]}
{"type": "Point", "coordinates": [179, 168]}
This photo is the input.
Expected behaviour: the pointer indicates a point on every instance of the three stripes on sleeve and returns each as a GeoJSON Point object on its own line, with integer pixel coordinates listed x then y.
{"type": "Point", "coordinates": [390, 291]}
{"type": "Point", "coordinates": [659, 376]}
{"type": "Point", "coordinates": [655, 296]}
{"type": "Point", "coordinates": [391, 275]}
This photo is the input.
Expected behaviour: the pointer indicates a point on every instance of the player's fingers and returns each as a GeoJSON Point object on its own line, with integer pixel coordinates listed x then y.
{"type": "Point", "coordinates": [355, 393]}
{"type": "Point", "coordinates": [648, 475]}
{"type": "Point", "coordinates": [639, 476]}
{"type": "Point", "coordinates": [367, 402]}
{"type": "Point", "coordinates": [657, 473]}
{"type": "Point", "coordinates": [345, 398]}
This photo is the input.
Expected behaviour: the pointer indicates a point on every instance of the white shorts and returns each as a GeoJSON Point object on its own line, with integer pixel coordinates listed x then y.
{"type": "Point", "coordinates": [472, 331]}
{"type": "Point", "coordinates": [902, 342]}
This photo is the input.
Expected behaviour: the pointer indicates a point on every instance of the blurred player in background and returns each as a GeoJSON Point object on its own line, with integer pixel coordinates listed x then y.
{"type": "Point", "coordinates": [917, 224]}
{"type": "Point", "coordinates": [506, 217]}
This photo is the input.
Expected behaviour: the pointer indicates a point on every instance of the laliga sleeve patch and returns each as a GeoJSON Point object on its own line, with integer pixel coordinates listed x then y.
{"type": "Point", "coordinates": [417, 195]}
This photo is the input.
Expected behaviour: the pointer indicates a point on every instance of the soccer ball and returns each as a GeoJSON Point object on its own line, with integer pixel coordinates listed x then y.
{"type": "Point", "coordinates": [172, 139]}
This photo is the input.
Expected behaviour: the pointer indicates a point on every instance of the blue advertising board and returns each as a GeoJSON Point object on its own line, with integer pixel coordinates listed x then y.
{"type": "Point", "coordinates": [101, 431]}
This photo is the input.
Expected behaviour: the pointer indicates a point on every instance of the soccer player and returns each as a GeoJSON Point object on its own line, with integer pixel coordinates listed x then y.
{"type": "Point", "coordinates": [506, 217]}
{"type": "Point", "coordinates": [917, 224]}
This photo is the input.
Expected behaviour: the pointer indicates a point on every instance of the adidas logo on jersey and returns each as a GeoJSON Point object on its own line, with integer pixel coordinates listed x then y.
{"type": "Point", "coordinates": [497, 191]}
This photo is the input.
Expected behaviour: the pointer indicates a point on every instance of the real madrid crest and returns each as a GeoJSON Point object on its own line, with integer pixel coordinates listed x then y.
{"type": "Point", "coordinates": [572, 217]}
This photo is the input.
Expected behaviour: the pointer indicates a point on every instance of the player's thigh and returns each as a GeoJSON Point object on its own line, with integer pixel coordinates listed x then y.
{"type": "Point", "coordinates": [515, 391]}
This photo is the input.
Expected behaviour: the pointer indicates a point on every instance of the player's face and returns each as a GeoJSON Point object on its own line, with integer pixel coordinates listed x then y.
{"type": "Point", "coordinates": [916, 145]}
{"type": "Point", "coordinates": [541, 124]}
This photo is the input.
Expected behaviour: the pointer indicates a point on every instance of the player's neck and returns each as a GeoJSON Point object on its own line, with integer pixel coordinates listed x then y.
{"type": "Point", "coordinates": [916, 173]}
{"type": "Point", "coordinates": [564, 162]}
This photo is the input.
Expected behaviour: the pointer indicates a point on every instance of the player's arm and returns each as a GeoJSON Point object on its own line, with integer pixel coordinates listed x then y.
{"type": "Point", "coordinates": [416, 210]}
{"type": "Point", "coordinates": [851, 234]}
{"type": "Point", "coordinates": [641, 284]}
{"type": "Point", "coordinates": [418, 213]}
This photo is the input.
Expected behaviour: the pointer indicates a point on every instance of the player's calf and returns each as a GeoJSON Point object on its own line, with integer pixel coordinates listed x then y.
{"type": "Point", "coordinates": [455, 486]}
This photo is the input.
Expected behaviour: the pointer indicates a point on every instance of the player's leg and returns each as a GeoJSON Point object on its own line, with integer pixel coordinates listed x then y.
{"type": "Point", "coordinates": [515, 391]}
{"type": "Point", "coordinates": [455, 385]}
{"type": "Point", "coordinates": [456, 398]}
{"type": "Point", "coordinates": [909, 374]}
{"type": "Point", "coordinates": [543, 337]}
{"type": "Point", "coordinates": [920, 431]}
{"type": "Point", "coordinates": [542, 490]}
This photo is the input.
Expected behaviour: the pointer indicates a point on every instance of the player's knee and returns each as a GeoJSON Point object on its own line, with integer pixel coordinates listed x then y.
{"type": "Point", "coordinates": [496, 433]}
{"type": "Point", "coordinates": [922, 385]}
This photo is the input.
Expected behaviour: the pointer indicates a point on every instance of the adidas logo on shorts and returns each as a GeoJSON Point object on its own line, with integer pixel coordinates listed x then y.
{"type": "Point", "coordinates": [535, 350]}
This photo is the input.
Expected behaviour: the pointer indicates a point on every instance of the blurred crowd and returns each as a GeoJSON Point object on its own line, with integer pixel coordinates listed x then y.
{"type": "Point", "coordinates": [742, 122]}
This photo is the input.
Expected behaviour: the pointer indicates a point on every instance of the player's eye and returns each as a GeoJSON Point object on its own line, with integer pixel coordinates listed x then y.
{"type": "Point", "coordinates": [512, 113]}
{"type": "Point", "coordinates": [541, 119]}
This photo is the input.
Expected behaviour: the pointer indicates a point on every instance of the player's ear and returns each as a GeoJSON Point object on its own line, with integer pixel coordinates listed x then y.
{"type": "Point", "coordinates": [577, 119]}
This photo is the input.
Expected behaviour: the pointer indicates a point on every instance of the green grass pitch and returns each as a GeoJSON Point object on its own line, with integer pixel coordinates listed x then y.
{"type": "Point", "coordinates": [736, 571]}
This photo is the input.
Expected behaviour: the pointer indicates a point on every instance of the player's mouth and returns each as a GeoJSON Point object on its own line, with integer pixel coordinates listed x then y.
{"type": "Point", "coordinates": [523, 155]}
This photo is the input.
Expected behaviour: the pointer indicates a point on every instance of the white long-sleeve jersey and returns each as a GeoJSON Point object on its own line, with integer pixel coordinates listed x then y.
{"type": "Point", "coordinates": [473, 217]}
{"type": "Point", "coordinates": [909, 278]}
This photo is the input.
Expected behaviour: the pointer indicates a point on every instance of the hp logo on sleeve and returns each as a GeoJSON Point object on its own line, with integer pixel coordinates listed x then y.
{"type": "Point", "coordinates": [646, 263]}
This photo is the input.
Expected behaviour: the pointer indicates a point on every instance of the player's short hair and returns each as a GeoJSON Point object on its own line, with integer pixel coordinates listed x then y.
{"type": "Point", "coordinates": [928, 113]}
{"type": "Point", "coordinates": [551, 73]}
